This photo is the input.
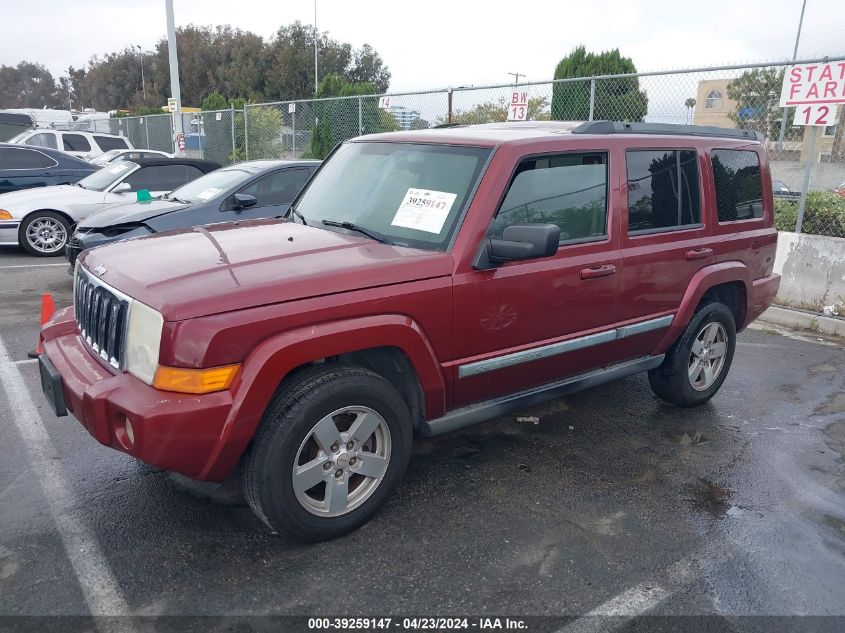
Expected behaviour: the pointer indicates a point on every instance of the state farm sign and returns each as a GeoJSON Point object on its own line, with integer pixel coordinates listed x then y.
{"type": "Point", "coordinates": [813, 84]}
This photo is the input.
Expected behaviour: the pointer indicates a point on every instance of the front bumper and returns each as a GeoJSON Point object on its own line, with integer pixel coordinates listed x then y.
{"type": "Point", "coordinates": [9, 231]}
{"type": "Point", "coordinates": [78, 243]}
{"type": "Point", "coordinates": [177, 432]}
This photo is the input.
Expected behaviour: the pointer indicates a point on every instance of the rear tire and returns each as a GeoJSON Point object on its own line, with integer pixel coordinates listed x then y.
{"type": "Point", "coordinates": [44, 234]}
{"type": "Point", "coordinates": [697, 364]}
{"type": "Point", "coordinates": [332, 447]}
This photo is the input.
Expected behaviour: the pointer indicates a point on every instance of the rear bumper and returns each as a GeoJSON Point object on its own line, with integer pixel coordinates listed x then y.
{"type": "Point", "coordinates": [764, 291]}
{"type": "Point", "coordinates": [177, 432]}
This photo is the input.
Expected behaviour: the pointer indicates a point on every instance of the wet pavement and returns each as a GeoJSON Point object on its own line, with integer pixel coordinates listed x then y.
{"type": "Point", "coordinates": [735, 508]}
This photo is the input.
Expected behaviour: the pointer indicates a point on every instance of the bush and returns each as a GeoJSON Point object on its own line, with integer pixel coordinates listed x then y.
{"type": "Point", "coordinates": [823, 215]}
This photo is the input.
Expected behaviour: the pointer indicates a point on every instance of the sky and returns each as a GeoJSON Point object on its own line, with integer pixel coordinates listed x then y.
{"type": "Point", "coordinates": [439, 43]}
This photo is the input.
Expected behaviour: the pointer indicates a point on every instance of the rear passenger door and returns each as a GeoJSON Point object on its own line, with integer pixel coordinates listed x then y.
{"type": "Point", "coordinates": [526, 323]}
{"type": "Point", "coordinates": [665, 240]}
{"type": "Point", "coordinates": [22, 168]}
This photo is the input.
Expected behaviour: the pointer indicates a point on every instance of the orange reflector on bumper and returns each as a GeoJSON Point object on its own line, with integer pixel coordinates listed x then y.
{"type": "Point", "coordinates": [5, 215]}
{"type": "Point", "coordinates": [195, 380]}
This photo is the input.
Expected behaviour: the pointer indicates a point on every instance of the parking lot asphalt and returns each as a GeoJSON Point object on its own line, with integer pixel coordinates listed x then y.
{"type": "Point", "coordinates": [607, 501]}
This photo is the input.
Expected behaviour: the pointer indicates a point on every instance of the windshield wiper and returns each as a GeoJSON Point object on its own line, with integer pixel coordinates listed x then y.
{"type": "Point", "coordinates": [291, 209]}
{"type": "Point", "coordinates": [378, 237]}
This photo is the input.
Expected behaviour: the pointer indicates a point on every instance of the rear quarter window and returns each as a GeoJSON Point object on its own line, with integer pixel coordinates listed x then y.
{"type": "Point", "coordinates": [75, 143]}
{"type": "Point", "coordinates": [108, 143]}
{"type": "Point", "coordinates": [739, 185]}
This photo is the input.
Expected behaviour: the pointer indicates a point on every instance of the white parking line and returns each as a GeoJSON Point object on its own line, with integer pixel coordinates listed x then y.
{"type": "Point", "coordinates": [65, 264]}
{"type": "Point", "coordinates": [638, 600]}
{"type": "Point", "coordinates": [96, 579]}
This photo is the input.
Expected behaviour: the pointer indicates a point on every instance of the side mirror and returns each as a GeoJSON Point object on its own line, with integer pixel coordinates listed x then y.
{"type": "Point", "coordinates": [244, 200]}
{"type": "Point", "coordinates": [123, 187]}
{"type": "Point", "coordinates": [519, 241]}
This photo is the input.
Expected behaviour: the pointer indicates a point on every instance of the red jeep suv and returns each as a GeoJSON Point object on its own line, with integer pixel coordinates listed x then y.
{"type": "Point", "coordinates": [422, 281]}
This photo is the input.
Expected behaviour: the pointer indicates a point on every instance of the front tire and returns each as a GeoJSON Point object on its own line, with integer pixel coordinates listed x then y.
{"type": "Point", "coordinates": [44, 234]}
{"type": "Point", "coordinates": [697, 364]}
{"type": "Point", "coordinates": [332, 447]}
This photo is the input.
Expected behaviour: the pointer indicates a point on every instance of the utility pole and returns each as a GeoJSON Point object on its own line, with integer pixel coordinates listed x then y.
{"type": "Point", "coordinates": [316, 37]}
{"type": "Point", "coordinates": [516, 77]}
{"type": "Point", "coordinates": [794, 57]}
{"type": "Point", "coordinates": [175, 93]}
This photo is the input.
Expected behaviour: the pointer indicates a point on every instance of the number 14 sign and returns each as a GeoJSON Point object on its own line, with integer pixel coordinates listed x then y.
{"type": "Point", "coordinates": [815, 114]}
{"type": "Point", "coordinates": [518, 108]}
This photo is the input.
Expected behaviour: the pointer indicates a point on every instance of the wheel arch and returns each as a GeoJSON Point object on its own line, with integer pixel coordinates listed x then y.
{"type": "Point", "coordinates": [725, 282]}
{"type": "Point", "coordinates": [393, 346]}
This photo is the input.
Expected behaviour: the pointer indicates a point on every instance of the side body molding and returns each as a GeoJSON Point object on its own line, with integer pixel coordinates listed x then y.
{"type": "Point", "coordinates": [271, 361]}
{"type": "Point", "coordinates": [702, 281]}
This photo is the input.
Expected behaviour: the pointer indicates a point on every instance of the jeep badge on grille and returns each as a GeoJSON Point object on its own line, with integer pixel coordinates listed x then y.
{"type": "Point", "coordinates": [101, 270]}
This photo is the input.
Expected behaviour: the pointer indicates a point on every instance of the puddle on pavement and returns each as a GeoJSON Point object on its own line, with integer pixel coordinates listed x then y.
{"type": "Point", "coordinates": [715, 500]}
{"type": "Point", "coordinates": [834, 404]}
{"type": "Point", "coordinates": [835, 437]}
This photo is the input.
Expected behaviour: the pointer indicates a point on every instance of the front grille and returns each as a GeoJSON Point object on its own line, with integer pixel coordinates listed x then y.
{"type": "Point", "coordinates": [102, 316]}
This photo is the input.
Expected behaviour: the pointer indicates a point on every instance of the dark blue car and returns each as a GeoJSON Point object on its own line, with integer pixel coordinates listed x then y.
{"type": "Point", "coordinates": [243, 191]}
{"type": "Point", "coordinates": [23, 167]}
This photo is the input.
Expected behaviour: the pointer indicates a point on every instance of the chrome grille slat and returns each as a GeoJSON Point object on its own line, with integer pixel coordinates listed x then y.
{"type": "Point", "coordinates": [101, 315]}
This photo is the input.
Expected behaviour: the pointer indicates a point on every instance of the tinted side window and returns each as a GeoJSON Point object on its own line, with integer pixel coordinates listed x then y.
{"type": "Point", "coordinates": [13, 158]}
{"type": "Point", "coordinates": [280, 187]}
{"type": "Point", "coordinates": [663, 189]}
{"type": "Point", "coordinates": [739, 187]}
{"type": "Point", "coordinates": [162, 177]}
{"type": "Point", "coordinates": [75, 143]}
{"type": "Point", "coordinates": [108, 143]}
{"type": "Point", "coordinates": [43, 139]}
{"type": "Point", "coordinates": [569, 190]}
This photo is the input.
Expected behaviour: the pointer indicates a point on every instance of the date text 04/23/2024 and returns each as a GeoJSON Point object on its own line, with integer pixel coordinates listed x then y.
{"type": "Point", "coordinates": [416, 624]}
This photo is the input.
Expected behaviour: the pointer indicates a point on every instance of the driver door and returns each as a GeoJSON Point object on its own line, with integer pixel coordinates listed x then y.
{"type": "Point", "coordinates": [530, 322]}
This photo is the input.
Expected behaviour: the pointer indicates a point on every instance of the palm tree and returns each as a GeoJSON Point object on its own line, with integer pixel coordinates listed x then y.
{"type": "Point", "coordinates": [689, 104]}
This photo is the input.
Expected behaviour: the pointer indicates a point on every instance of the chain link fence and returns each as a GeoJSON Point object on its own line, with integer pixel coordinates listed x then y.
{"type": "Point", "coordinates": [738, 96]}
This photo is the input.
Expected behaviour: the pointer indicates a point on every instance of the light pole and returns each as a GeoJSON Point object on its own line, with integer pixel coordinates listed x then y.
{"type": "Point", "coordinates": [316, 37]}
{"type": "Point", "coordinates": [143, 82]}
{"type": "Point", "coordinates": [794, 57]}
{"type": "Point", "coordinates": [175, 92]}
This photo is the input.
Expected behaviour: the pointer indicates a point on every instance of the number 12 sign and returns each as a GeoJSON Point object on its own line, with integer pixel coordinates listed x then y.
{"type": "Point", "coordinates": [815, 114]}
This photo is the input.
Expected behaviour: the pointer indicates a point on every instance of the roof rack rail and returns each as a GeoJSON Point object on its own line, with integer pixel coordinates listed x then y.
{"type": "Point", "coordinates": [616, 127]}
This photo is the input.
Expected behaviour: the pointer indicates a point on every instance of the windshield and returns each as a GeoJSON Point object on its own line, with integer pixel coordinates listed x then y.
{"type": "Point", "coordinates": [102, 159]}
{"type": "Point", "coordinates": [17, 138]}
{"type": "Point", "coordinates": [212, 184]}
{"type": "Point", "coordinates": [411, 193]}
{"type": "Point", "coordinates": [105, 177]}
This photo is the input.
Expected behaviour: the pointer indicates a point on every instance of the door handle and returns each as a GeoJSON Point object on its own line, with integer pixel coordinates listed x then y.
{"type": "Point", "coordinates": [594, 272]}
{"type": "Point", "coordinates": [699, 253]}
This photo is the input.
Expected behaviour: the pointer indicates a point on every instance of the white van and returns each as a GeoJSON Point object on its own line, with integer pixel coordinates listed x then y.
{"type": "Point", "coordinates": [45, 118]}
{"type": "Point", "coordinates": [84, 145]}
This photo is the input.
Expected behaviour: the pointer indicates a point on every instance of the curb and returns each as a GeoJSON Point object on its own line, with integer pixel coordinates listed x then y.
{"type": "Point", "coordinates": [800, 320]}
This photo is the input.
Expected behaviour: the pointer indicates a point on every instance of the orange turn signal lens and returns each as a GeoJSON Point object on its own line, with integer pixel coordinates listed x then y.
{"type": "Point", "coordinates": [5, 215]}
{"type": "Point", "coordinates": [195, 380]}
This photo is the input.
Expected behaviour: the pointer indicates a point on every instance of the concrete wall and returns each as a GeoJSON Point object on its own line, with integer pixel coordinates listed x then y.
{"type": "Point", "coordinates": [812, 269]}
{"type": "Point", "coordinates": [825, 176]}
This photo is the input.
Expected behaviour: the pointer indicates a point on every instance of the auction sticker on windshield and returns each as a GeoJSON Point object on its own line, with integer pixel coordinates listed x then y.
{"type": "Point", "coordinates": [424, 210]}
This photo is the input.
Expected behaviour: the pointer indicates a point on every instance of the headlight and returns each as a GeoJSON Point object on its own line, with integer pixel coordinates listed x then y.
{"type": "Point", "coordinates": [143, 338]}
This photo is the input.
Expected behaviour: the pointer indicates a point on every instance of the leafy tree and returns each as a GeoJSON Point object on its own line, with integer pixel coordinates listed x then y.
{"type": "Point", "coordinates": [333, 118]}
{"type": "Point", "coordinates": [215, 101]}
{"type": "Point", "coordinates": [689, 104]}
{"type": "Point", "coordinates": [757, 94]}
{"type": "Point", "coordinates": [616, 99]}
{"type": "Point", "coordinates": [497, 111]}
{"type": "Point", "coordinates": [28, 85]}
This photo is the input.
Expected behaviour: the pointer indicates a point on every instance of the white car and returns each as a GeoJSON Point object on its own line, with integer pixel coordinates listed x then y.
{"type": "Point", "coordinates": [128, 154]}
{"type": "Point", "coordinates": [40, 219]}
{"type": "Point", "coordinates": [85, 145]}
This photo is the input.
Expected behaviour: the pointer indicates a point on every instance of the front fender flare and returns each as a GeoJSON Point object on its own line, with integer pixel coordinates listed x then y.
{"type": "Point", "coordinates": [275, 358]}
{"type": "Point", "coordinates": [702, 281]}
